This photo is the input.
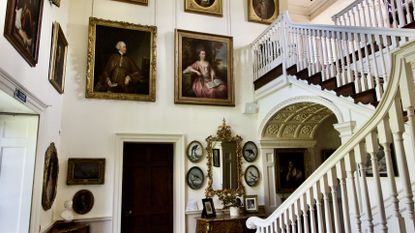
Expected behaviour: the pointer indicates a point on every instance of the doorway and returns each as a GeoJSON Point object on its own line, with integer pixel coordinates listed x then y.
{"type": "Point", "coordinates": [18, 137]}
{"type": "Point", "coordinates": [147, 188]}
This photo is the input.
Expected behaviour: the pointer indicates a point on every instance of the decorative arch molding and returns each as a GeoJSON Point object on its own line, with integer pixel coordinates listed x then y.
{"type": "Point", "coordinates": [300, 99]}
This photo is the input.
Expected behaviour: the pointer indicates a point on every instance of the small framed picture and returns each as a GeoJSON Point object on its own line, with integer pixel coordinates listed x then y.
{"type": "Point", "coordinates": [212, 7]}
{"type": "Point", "coordinates": [139, 2]}
{"type": "Point", "coordinates": [83, 201]}
{"type": "Point", "coordinates": [57, 63]}
{"type": "Point", "coordinates": [216, 157]}
{"type": "Point", "coordinates": [195, 178]}
{"type": "Point", "coordinates": [263, 11]}
{"type": "Point", "coordinates": [208, 208]}
{"type": "Point", "coordinates": [85, 171]}
{"type": "Point", "coordinates": [250, 151]}
{"type": "Point", "coordinates": [195, 151]}
{"type": "Point", "coordinates": [251, 203]}
{"type": "Point", "coordinates": [252, 175]}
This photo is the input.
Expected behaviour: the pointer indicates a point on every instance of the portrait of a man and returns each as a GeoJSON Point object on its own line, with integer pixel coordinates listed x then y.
{"type": "Point", "coordinates": [122, 65]}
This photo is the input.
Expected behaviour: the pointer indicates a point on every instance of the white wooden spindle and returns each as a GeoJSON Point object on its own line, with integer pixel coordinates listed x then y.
{"type": "Point", "coordinates": [350, 165]}
{"type": "Point", "coordinates": [311, 204]}
{"type": "Point", "coordinates": [348, 74]}
{"type": "Point", "coordinates": [372, 148]}
{"type": "Point", "coordinates": [341, 172]}
{"type": "Point", "coordinates": [293, 219]}
{"type": "Point", "coordinates": [318, 198]}
{"type": "Point", "coordinates": [326, 199]}
{"type": "Point", "coordinates": [305, 211]}
{"type": "Point", "coordinates": [333, 187]}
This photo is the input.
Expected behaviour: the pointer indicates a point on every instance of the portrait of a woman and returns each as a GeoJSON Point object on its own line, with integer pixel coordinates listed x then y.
{"type": "Point", "coordinates": [205, 83]}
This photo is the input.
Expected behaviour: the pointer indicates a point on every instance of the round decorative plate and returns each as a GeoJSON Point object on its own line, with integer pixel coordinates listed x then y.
{"type": "Point", "coordinates": [250, 151]}
{"type": "Point", "coordinates": [195, 178]}
{"type": "Point", "coordinates": [252, 175]}
{"type": "Point", "coordinates": [195, 151]}
{"type": "Point", "coordinates": [83, 201]}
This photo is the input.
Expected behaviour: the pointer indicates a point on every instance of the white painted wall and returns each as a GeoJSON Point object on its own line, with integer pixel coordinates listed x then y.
{"type": "Point", "coordinates": [35, 81]}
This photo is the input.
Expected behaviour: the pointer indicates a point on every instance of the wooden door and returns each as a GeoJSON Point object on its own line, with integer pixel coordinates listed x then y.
{"type": "Point", "coordinates": [147, 188]}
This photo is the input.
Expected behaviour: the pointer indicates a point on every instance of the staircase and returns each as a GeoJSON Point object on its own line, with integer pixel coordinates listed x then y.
{"type": "Point", "coordinates": [374, 66]}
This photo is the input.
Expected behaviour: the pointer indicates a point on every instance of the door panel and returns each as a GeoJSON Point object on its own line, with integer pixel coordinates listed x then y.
{"type": "Point", "coordinates": [147, 197]}
{"type": "Point", "coordinates": [18, 134]}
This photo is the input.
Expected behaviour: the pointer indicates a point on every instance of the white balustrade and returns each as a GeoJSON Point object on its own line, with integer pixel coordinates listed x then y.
{"type": "Point", "coordinates": [328, 200]}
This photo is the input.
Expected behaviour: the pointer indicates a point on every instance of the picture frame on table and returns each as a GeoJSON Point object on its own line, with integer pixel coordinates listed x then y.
{"type": "Point", "coordinates": [263, 11]}
{"type": "Point", "coordinates": [208, 208]}
{"type": "Point", "coordinates": [58, 58]}
{"type": "Point", "coordinates": [85, 171]}
{"type": "Point", "coordinates": [133, 48]}
{"type": "Point", "coordinates": [213, 53]}
{"type": "Point", "coordinates": [251, 203]}
{"type": "Point", "coordinates": [210, 7]}
{"type": "Point", "coordinates": [23, 26]}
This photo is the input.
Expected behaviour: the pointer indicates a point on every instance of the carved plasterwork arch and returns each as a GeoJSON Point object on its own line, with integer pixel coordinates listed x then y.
{"type": "Point", "coordinates": [298, 118]}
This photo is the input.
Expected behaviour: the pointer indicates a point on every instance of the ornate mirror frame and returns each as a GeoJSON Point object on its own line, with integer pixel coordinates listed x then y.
{"type": "Point", "coordinates": [224, 134]}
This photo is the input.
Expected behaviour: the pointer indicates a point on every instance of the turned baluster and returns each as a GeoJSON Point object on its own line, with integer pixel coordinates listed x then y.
{"type": "Point", "coordinates": [326, 199]}
{"type": "Point", "coordinates": [341, 173]}
{"type": "Point", "coordinates": [317, 198]}
{"type": "Point", "coordinates": [311, 204]}
{"type": "Point", "coordinates": [350, 166]}
{"type": "Point", "coordinates": [304, 208]}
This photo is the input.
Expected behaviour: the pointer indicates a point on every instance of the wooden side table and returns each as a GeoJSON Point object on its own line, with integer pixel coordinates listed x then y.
{"type": "Point", "coordinates": [71, 227]}
{"type": "Point", "coordinates": [223, 224]}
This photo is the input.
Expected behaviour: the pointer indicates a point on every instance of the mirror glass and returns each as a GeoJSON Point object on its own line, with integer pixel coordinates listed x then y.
{"type": "Point", "coordinates": [224, 155]}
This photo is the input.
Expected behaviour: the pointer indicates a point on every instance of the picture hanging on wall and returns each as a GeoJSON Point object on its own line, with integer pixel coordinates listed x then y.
{"type": "Point", "coordinates": [121, 61]}
{"type": "Point", "coordinates": [212, 7]}
{"type": "Point", "coordinates": [85, 171]}
{"type": "Point", "coordinates": [58, 54]}
{"type": "Point", "coordinates": [263, 11]}
{"type": "Point", "coordinates": [139, 2]}
{"type": "Point", "coordinates": [56, 2]}
{"type": "Point", "coordinates": [50, 176]}
{"type": "Point", "coordinates": [290, 167]}
{"type": "Point", "coordinates": [204, 72]}
{"type": "Point", "coordinates": [22, 27]}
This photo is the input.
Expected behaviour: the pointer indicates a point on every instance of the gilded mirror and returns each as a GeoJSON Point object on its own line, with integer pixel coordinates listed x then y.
{"type": "Point", "coordinates": [224, 162]}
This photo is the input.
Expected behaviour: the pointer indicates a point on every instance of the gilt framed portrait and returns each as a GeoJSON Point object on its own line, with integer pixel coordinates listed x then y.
{"type": "Point", "coordinates": [58, 54]}
{"type": "Point", "coordinates": [139, 2]}
{"type": "Point", "coordinates": [50, 176]}
{"type": "Point", "coordinates": [85, 171]}
{"type": "Point", "coordinates": [22, 27]}
{"type": "Point", "coordinates": [121, 61]}
{"type": "Point", "coordinates": [212, 7]}
{"type": "Point", "coordinates": [263, 11]}
{"type": "Point", "coordinates": [204, 72]}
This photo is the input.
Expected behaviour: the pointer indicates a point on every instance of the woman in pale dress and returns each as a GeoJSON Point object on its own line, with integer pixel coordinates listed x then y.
{"type": "Point", "coordinates": [205, 84]}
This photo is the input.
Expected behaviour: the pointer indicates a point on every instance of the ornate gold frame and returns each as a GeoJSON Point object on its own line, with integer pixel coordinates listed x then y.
{"type": "Point", "coordinates": [254, 17]}
{"type": "Point", "coordinates": [138, 2]}
{"type": "Point", "coordinates": [116, 28]}
{"type": "Point", "coordinates": [57, 64]}
{"type": "Point", "coordinates": [224, 134]}
{"type": "Point", "coordinates": [187, 45]}
{"type": "Point", "coordinates": [215, 9]}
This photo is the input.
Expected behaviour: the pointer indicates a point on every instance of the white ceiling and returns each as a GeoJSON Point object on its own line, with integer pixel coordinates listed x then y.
{"type": "Point", "coordinates": [309, 8]}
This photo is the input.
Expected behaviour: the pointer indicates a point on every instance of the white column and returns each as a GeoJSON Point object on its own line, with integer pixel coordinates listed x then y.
{"type": "Point", "coordinates": [345, 129]}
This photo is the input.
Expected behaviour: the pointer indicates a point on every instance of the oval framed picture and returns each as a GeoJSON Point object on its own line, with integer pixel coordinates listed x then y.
{"type": "Point", "coordinates": [83, 201]}
{"type": "Point", "coordinates": [250, 151]}
{"type": "Point", "coordinates": [195, 151]}
{"type": "Point", "coordinates": [252, 175]}
{"type": "Point", "coordinates": [195, 178]}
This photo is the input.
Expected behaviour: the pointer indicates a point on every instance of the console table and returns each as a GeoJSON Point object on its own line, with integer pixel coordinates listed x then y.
{"type": "Point", "coordinates": [223, 224]}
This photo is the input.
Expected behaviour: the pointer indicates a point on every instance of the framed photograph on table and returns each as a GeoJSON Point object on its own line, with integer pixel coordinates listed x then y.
{"type": "Point", "coordinates": [58, 54]}
{"type": "Point", "coordinates": [263, 11]}
{"type": "Point", "coordinates": [22, 27]}
{"type": "Point", "coordinates": [204, 72]}
{"type": "Point", "coordinates": [208, 208]}
{"type": "Point", "coordinates": [212, 7]}
{"type": "Point", "coordinates": [251, 203]}
{"type": "Point", "coordinates": [121, 61]}
{"type": "Point", "coordinates": [85, 171]}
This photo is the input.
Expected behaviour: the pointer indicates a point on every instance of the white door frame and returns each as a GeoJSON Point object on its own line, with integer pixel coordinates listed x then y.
{"type": "Point", "coordinates": [178, 175]}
